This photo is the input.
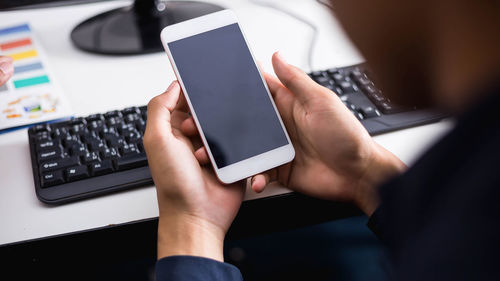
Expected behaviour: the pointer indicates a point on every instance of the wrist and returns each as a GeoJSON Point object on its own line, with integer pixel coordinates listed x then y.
{"type": "Point", "coordinates": [381, 166]}
{"type": "Point", "coordinates": [189, 235]}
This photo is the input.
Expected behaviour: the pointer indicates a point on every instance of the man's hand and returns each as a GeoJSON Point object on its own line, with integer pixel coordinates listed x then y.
{"type": "Point", "coordinates": [6, 69]}
{"type": "Point", "coordinates": [335, 158]}
{"type": "Point", "coordinates": [196, 210]}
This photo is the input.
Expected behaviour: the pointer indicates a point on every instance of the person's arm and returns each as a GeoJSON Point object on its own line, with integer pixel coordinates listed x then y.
{"type": "Point", "coordinates": [192, 220]}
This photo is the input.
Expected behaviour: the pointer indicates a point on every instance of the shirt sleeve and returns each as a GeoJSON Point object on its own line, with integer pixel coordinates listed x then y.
{"type": "Point", "coordinates": [180, 268]}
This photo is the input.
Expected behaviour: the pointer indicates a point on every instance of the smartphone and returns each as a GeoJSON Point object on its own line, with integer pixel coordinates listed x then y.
{"type": "Point", "coordinates": [227, 95]}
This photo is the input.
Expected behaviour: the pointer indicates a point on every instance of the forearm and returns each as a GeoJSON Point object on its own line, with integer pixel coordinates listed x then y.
{"type": "Point", "coordinates": [185, 235]}
{"type": "Point", "coordinates": [382, 166]}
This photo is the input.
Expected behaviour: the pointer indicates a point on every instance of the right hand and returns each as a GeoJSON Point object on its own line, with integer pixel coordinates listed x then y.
{"type": "Point", "coordinates": [335, 157]}
{"type": "Point", "coordinates": [6, 69]}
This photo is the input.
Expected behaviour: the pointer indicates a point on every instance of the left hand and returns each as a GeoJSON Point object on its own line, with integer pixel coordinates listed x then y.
{"type": "Point", "coordinates": [195, 209]}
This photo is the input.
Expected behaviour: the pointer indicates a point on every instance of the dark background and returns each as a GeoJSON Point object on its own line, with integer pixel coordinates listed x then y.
{"type": "Point", "coordinates": [287, 237]}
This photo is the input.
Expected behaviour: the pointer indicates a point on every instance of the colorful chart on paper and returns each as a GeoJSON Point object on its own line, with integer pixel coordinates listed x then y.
{"type": "Point", "coordinates": [31, 95]}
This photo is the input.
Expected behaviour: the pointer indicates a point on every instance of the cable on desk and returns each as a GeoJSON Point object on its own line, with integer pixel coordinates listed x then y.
{"type": "Point", "coordinates": [326, 3]}
{"type": "Point", "coordinates": [312, 43]}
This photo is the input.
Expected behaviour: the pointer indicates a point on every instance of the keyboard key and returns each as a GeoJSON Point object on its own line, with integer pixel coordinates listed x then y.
{"type": "Point", "coordinates": [339, 78]}
{"type": "Point", "coordinates": [70, 140]}
{"type": "Point", "coordinates": [58, 164]}
{"type": "Point", "coordinates": [59, 132]}
{"type": "Point", "coordinates": [114, 121]}
{"type": "Point", "coordinates": [131, 118]}
{"type": "Point", "coordinates": [101, 168]}
{"type": "Point", "coordinates": [78, 150]}
{"type": "Point", "coordinates": [90, 157]}
{"type": "Point", "coordinates": [347, 87]}
{"type": "Point", "coordinates": [358, 115]}
{"type": "Point", "coordinates": [47, 145]}
{"type": "Point", "coordinates": [140, 125]}
{"type": "Point", "coordinates": [78, 129]}
{"type": "Point", "coordinates": [129, 149]}
{"type": "Point", "coordinates": [131, 161]}
{"type": "Point", "coordinates": [42, 136]}
{"type": "Point", "coordinates": [114, 141]}
{"type": "Point", "coordinates": [369, 112]}
{"type": "Point", "coordinates": [96, 145]}
{"type": "Point", "coordinates": [78, 121]}
{"type": "Point", "coordinates": [96, 125]}
{"type": "Point", "coordinates": [133, 137]}
{"type": "Point", "coordinates": [113, 113]}
{"type": "Point", "coordinates": [41, 128]}
{"type": "Point", "coordinates": [94, 117]}
{"type": "Point", "coordinates": [126, 129]}
{"type": "Point", "coordinates": [77, 173]}
{"type": "Point", "coordinates": [109, 153]}
{"type": "Point", "coordinates": [316, 74]}
{"type": "Point", "coordinates": [332, 71]}
{"type": "Point", "coordinates": [130, 110]}
{"type": "Point", "coordinates": [49, 154]}
{"type": "Point", "coordinates": [51, 179]}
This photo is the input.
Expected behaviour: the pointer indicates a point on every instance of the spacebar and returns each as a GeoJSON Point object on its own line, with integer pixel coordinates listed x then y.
{"type": "Point", "coordinates": [131, 161]}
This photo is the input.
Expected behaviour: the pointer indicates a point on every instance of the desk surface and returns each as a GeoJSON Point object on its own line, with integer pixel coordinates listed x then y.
{"type": "Point", "coordinates": [95, 83]}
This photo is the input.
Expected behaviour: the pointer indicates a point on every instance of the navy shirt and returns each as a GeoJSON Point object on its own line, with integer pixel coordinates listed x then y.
{"type": "Point", "coordinates": [190, 268]}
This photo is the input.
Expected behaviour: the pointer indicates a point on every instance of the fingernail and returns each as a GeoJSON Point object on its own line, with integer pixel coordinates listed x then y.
{"type": "Point", "coordinates": [7, 68]}
{"type": "Point", "coordinates": [171, 85]}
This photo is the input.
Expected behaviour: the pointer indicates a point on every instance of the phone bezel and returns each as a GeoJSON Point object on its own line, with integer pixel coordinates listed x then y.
{"type": "Point", "coordinates": [247, 167]}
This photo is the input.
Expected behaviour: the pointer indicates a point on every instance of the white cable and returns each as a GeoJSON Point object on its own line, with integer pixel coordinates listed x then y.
{"type": "Point", "coordinates": [312, 43]}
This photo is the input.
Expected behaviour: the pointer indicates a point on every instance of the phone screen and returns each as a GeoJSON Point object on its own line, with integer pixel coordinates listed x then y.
{"type": "Point", "coordinates": [227, 94]}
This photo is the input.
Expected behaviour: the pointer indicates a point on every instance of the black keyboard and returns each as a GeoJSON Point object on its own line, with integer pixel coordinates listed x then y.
{"type": "Point", "coordinates": [103, 153]}
{"type": "Point", "coordinates": [360, 94]}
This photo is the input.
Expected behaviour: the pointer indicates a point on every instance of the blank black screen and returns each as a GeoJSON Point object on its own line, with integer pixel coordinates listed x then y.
{"type": "Point", "coordinates": [227, 94]}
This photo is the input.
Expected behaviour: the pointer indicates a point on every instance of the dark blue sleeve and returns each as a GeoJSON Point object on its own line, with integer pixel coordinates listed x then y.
{"type": "Point", "coordinates": [180, 268]}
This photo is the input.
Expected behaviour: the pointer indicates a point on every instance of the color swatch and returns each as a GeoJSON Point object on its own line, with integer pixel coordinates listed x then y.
{"type": "Point", "coordinates": [15, 44]}
{"type": "Point", "coordinates": [31, 81]}
{"type": "Point", "coordinates": [23, 55]}
{"type": "Point", "coordinates": [15, 29]}
{"type": "Point", "coordinates": [27, 67]}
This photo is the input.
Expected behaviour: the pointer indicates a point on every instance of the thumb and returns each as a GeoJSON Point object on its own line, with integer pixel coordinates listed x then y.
{"type": "Point", "coordinates": [159, 110]}
{"type": "Point", "coordinates": [296, 80]}
{"type": "Point", "coordinates": [6, 69]}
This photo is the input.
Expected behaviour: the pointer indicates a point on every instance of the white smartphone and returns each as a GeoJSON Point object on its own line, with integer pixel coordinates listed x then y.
{"type": "Point", "coordinates": [227, 96]}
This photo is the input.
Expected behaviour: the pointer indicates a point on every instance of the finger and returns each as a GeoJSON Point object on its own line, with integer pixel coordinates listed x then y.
{"type": "Point", "coordinates": [188, 127]}
{"type": "Point", "coordinates": [202, 156]}
{"type": "Point", "coordinates": [160, 109]}
{"type": "Point", "coordinates": [6, 69]}
{"type": "Point", "coordinates": [297, 81]}
{"type": "Point", "coordinates": [260, 181]}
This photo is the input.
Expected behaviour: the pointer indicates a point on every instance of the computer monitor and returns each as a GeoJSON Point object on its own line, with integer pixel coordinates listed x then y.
{"type": "Point", "coordinates": [134, 29]}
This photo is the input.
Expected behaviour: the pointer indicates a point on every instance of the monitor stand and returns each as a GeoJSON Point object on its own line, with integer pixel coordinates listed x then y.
{"type": "Point", "coordinates": [135, 29]}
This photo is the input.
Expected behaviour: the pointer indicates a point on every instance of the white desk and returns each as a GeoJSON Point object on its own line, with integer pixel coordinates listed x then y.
{"type": "Point", "coordinates": [96, 83]}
